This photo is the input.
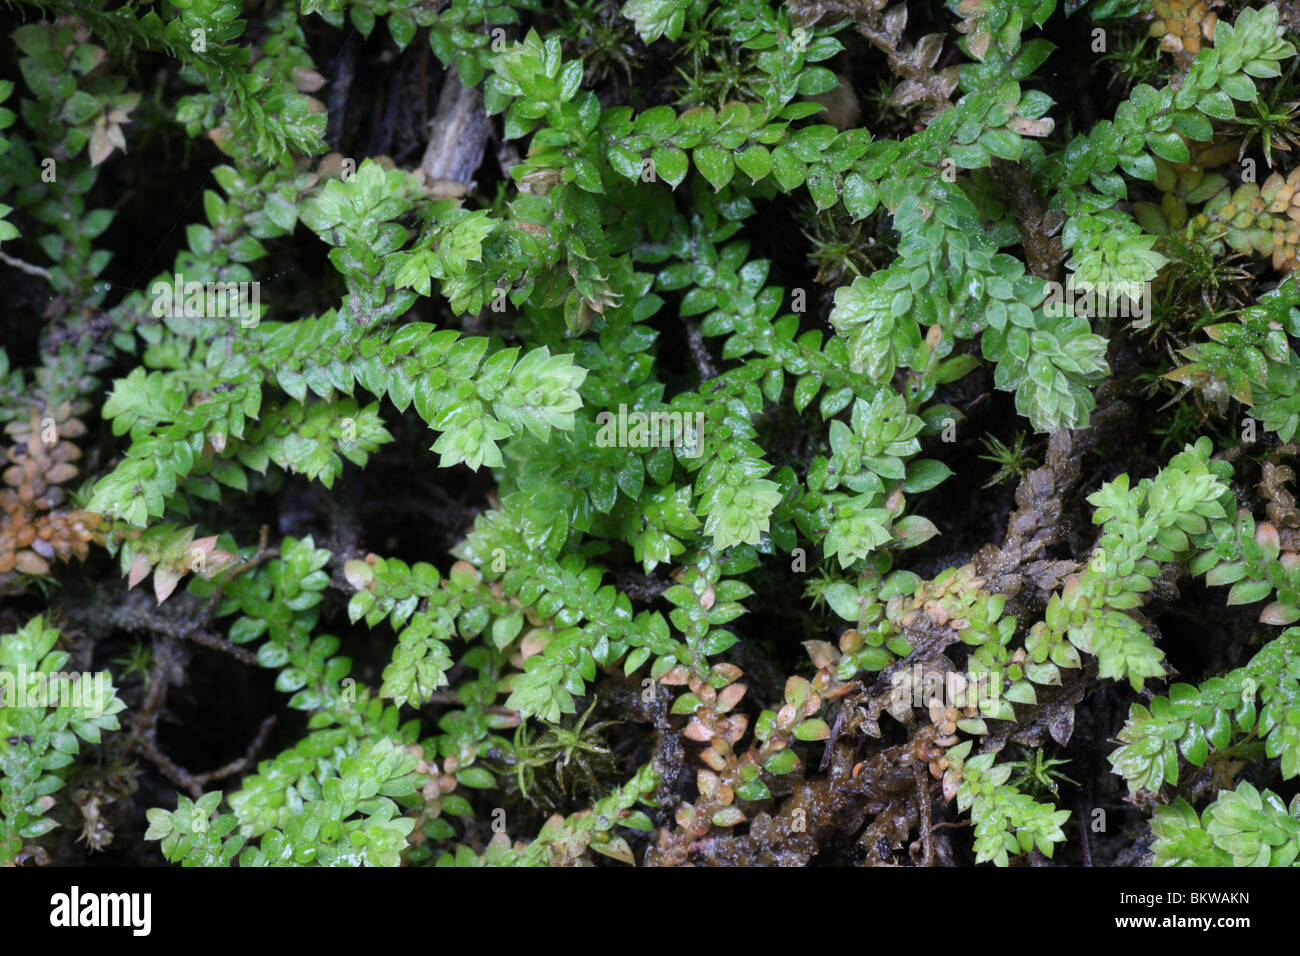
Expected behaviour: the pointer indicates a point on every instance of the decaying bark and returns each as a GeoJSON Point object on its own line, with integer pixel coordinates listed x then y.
{"type": "Point", "coordinates": [458, 138]}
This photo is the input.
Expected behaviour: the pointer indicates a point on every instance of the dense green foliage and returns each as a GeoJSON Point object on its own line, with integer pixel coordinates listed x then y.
{"type": "Point", "coordinates": [551, 435]}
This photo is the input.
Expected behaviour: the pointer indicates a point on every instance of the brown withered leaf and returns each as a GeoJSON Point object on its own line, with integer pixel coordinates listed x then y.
{"type": "Point", "coordinates": [305, 80]}
{"type": "Point", "coordinates": [907, 92]}
{"type": "Point", "coordinates": [926, 52]}
{"type": "Point", "coordinates": [100, 146]}
{"type": "Point", "coordinates": [139, 571]}
{"type": "Point", "coordinates": [60, 473]}
{"type": "Point", "coordinates": [1033, 127]}
{"type": "Point", "coordinates": [896, 20]}
{"type": "Point", "coordinates": [822, 653]}
{"type": "Point", "coordinates": [165, 580]}
{"type": "Point", "coordinates": [30, 563]}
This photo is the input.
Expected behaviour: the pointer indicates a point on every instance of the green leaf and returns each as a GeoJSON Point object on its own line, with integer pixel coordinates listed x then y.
{"type": "Point", "coordinates": [670, 164]}
{"type": "Point", "coordinates": [479, 778]}
{"type": "Point", "coordinates": [755, 162]}
{"type": "Point", "coordinates": [924, 474]}
{"type": "Point", "coordinates": [813, 729]}
{"type": "Point", "coordinates": [655, 18]}
{"type": "Point", "coordinates": [1170, 146]}
{"type": "Point", "coordinates": [781, 762]}
{"type": "Point", "coordinates": [788, 170]}
{"type": "Point", "coordinates": [716, 164]}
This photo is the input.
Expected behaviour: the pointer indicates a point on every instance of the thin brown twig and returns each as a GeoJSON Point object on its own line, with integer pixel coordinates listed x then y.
{"type": "Point", "coordinates": [923, 804]}
{"type": "Point", "coordinates": [210, 640]}
{"type": "Point", "coordinates": [250, 755]}
{"type": "Point", "coordinates": [173, 771]}
{"type": "Point", "coordinates": [699, 352]}
{"type": "Point", "coordinates": [26, 267]}
{"type": "Point", "coordinates": [262, 555]}
{"type": "Point", "coordinates": [144, 739]}
{"type": "Point", "coordinates": [138, 617]}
